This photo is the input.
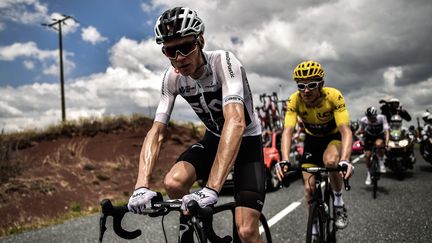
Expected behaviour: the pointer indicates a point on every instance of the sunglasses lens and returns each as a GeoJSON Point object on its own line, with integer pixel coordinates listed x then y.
{"type": "Point", "coordinates": [312, 85]}
{"type": "Point", "coordinates": [184, 49]}
{"type": "Point", "coordinates": [301, 86]}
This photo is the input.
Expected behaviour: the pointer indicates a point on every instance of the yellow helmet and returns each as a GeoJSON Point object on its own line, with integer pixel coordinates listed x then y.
{"type": "Point", "coordinates": [309, 70]}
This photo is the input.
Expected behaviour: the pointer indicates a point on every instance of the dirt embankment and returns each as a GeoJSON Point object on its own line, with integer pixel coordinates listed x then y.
{"type": "Point", "coordinates": [78, 171]}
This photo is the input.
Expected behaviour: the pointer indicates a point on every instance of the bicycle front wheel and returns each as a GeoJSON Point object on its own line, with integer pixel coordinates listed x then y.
{"type": "Point", "coordinates": [315, 220]}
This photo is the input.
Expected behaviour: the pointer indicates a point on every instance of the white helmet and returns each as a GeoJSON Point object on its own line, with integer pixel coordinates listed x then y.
{"type": "Point", "coordinates": [176, 23]}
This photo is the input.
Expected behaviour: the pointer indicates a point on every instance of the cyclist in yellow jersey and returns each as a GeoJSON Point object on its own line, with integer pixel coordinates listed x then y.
{"type": "Point", "coordinates": [328, 135]}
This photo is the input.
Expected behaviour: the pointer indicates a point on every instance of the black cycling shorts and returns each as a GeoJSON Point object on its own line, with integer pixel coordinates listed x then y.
{"type": "Point", "coordinates": [249, 170]}
{"type": "Point", "coordinates": [314, 148]}
{"type": "Point", "coordinates": [369, 140]}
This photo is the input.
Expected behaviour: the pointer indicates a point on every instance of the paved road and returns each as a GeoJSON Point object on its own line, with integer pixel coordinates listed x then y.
{"type": "Point", "coordinates": [402, 212]}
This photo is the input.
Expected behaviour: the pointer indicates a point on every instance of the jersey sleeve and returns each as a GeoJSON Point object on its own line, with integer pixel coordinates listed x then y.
{"type": "Point", "coordinates": [385, 123]}
{"type": "Point", "coordinates": [340, 111]}
{"type": "Point", "coordinates": [291, 113]}
{"type": "Point", "coordinates": [232, 79]}
{"type": "Point", "coordinates": [362, 126]}
{"type": "Point", "coordinates": [168, 96]}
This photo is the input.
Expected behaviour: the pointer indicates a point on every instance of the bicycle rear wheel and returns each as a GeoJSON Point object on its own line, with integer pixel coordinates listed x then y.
{"type": "Point", "coordinates": [316, 216]}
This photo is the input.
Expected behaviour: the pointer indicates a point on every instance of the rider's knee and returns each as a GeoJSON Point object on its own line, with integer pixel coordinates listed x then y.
{"type": "Point", "coordinates": [247, 233]}
{"type": "Point", "coordinates": [379, 143]}
{"type": "Point", "coordinates": [173, 185]}
{"type": "Point", "coordinates": [332, 162]}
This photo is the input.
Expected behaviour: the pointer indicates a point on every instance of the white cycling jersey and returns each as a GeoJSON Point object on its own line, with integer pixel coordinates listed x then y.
{"type": "Point", "coordinates": [374, 128]}
{"type": "Point", "coordinates": [223, 82]}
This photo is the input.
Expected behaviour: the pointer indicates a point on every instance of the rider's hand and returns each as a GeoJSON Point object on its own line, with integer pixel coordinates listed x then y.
{"type": "Point", "coordinates": [140, 200]}
{"type": "Point", "coordinates": [204, 197]}
{"type": "Point", "coordinates": [282, 167]}
{"type": "Point", "coordinates": [350, 169]}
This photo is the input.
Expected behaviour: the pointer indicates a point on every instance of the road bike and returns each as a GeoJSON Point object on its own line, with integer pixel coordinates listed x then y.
{"type": "Point", "coordinates": [201, 219]}
{"type": "Point", "coordinates": [374, 171]}
{"type": "Point", "coordinates": [322, 212]}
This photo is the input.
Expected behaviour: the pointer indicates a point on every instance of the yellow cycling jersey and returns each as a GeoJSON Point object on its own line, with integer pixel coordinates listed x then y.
{"type": "Point", "coordinates": [321, 120]}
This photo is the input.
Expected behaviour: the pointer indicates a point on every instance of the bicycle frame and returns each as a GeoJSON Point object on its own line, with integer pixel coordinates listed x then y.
{"type": "Point", "coordinates": [321, 209]}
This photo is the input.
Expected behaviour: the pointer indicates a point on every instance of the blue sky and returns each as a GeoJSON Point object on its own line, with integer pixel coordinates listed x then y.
{"type": "Point", "coordinates": [108, 17]}
{"type": "Point", "coordinates": [369, 49]}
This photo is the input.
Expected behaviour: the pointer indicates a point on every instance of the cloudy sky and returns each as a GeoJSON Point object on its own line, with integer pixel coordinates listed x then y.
{"type": "Point", "coordinates": [369, 49]}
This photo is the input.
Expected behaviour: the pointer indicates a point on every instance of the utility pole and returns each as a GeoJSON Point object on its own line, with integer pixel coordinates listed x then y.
{"type": "Point", "coordinates": [59, 23]}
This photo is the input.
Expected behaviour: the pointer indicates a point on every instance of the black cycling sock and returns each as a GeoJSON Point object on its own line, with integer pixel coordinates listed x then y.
{"type": "Point", "coordinates": [185, 229]}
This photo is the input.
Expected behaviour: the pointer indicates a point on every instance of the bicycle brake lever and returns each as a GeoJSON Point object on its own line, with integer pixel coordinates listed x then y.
{"type": "Point", "coordinates": [102, 227]}
{"type": "Point", "coordinates": [117, 213]}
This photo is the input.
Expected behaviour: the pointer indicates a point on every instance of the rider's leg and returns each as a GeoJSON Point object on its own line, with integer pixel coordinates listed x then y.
{"type": "Point", "coordinates": [309, 187]}
{"type": "Point", "coordinates": [179, 179]}
{"type": "Point", "coordinates": [331, 158]}
{"type": "Point", "coordinates": [177, 183]}
{"type": "Point", "coordinates": [368, 164]}
{"type": "Point", "coordinates": [379, 144]}
{"type": "Point", "coordinates": [247, 223]}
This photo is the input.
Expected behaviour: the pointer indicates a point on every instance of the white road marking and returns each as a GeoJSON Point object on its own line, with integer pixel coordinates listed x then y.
{"type": "Point", "coordinates": [358, 159]}
{"type": "Point", "coordinates": [280, 215]}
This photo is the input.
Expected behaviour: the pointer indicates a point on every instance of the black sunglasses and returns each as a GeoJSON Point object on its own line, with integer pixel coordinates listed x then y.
{"type": "Point", "coordinates": [310, 86]}
{"type": "Point", "coordinates": [184, 49]}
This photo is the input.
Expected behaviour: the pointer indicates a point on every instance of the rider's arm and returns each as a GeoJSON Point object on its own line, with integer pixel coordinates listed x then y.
{"type": "Point", "coordinates": [229, 145]}
{"type": "Point", "coordinates": [155, 136]}
{"type": "Point", "coordinates": [289, 125]}
{"type": "Point", "coordinates": [287, 135]}
{"type": "Point", "coordinates": [342, 122]}
{"type": "Point", "coordinates": [149, 153]}
{"type": "Point", "coordinates": [346, 133]}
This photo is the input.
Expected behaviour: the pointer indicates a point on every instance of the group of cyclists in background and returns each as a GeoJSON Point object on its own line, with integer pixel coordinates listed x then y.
{"type": "Point", "coordinates": [215, 84]}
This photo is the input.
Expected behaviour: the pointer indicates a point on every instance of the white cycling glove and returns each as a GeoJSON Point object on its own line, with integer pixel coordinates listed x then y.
{"type": "Point", "coordinates": [204, 197]}
{"type": "Point", "coordinates": [350, 170]}
{"type": "Point", "coordinates": [140, 200]}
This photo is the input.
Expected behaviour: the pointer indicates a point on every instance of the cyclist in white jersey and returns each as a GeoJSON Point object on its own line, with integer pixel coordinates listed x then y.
{"type": "Point", "coordinates": [376, 132]}
{"type": "Point", "coordinates": [214, 83]}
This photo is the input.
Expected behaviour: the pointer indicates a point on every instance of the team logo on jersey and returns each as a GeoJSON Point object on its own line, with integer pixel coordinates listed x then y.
{"type": "Point", "coordinates": [185, 89]}
{"type": "Point", "coordinates": [228, 60]}
{"type": "Point", "coordinates": [323, 116]}
{"type": "Point", "coordinates": [341, 106]}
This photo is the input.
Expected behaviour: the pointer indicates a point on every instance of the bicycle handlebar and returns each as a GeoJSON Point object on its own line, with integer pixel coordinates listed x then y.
{"type": "Point", "coordinates": [317, 170]}
{"type": "Point", "coordinates": [206, 216]}
{"type": "Point", "coordinates": [159, 208]}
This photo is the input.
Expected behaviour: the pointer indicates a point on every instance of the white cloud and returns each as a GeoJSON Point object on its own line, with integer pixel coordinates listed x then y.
{"type": "Point", "coordinates": [28, 49]}
{"type": "Point", "coordinates": [48, 58]}
{"type": "Point", "coordinates": [2, 26]}
{"type": "Point", "coordinates": [29, 64]}
{"type": "Point", "coordinates": [24, 11]}
{"type": "Point", "coordinates": [137, 56]}
{"type": "Point", "coordinates": [92, 35]}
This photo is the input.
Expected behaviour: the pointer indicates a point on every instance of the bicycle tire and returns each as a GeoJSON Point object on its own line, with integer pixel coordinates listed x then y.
{"type": "Point", "coordinates": [315, 215]}
{"type": "Point", "coordinates": [331, 215]}
{"type": "Point", "coordinates": [375, 175]}
{"type": "Point", "coordinates": [231, 206]}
